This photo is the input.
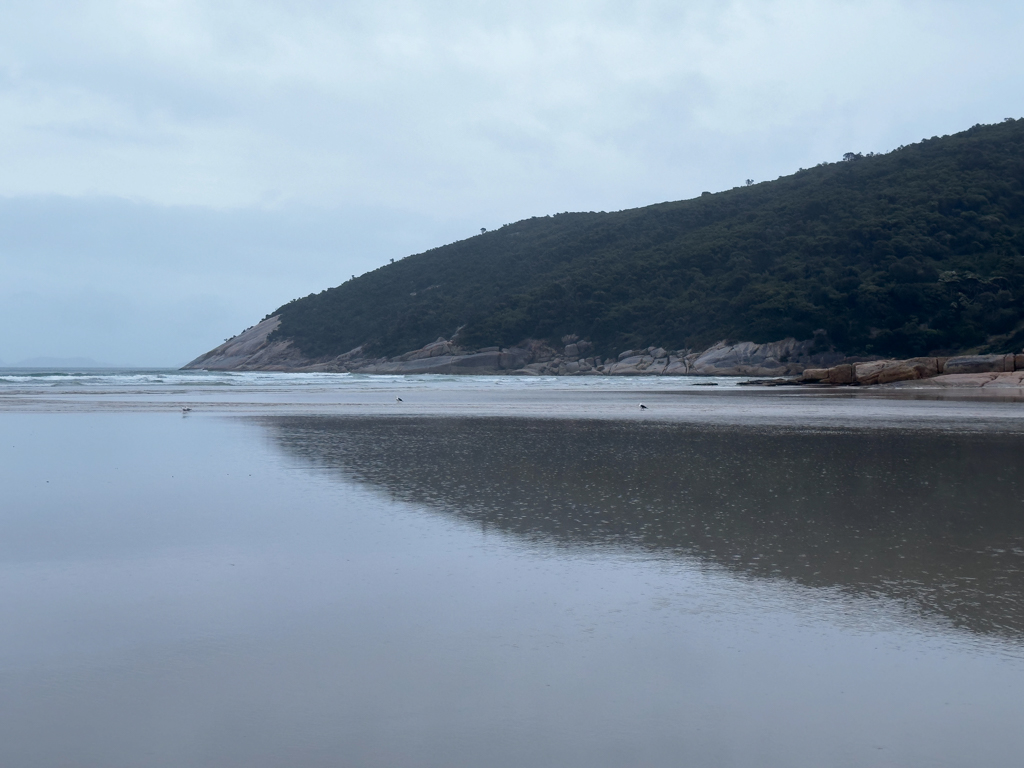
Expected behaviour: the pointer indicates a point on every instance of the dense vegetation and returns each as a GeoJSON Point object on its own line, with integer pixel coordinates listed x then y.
{"type": "Point", "coordinates": [914, 251]}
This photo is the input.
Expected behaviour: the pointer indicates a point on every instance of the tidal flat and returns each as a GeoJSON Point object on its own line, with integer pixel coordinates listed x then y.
{"type": "Point", "coordinates": [304, 571]}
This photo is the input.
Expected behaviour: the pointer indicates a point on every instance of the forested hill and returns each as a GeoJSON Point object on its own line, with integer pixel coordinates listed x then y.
{"type": "Point", "coordinates": [915, 251]}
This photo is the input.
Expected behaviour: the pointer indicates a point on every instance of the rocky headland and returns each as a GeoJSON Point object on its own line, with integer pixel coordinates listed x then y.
{"type": "Point", "coordinates": [254, 350]}
{"type": "Point", "coordinates": [788, 362]}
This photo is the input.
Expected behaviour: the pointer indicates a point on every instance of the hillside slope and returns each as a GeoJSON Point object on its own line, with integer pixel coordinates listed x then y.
{"type": "Point", "coordinates": [920, 250]}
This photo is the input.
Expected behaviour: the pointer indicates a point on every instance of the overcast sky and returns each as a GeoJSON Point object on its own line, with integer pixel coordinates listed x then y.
{"type": "Point", "coordinates": [173, 171]}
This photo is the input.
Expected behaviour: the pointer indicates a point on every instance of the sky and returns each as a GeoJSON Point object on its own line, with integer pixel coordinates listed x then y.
{"type": "Point", "coordinates": [171, 171]}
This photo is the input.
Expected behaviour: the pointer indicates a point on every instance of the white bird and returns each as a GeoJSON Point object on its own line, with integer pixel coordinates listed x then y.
{"type": "Point", "coordinates": [643, 407]}
{"type": "Point", "coordinates": [398, 400]}
{"type": "Point", "coordinates": [186, 409]}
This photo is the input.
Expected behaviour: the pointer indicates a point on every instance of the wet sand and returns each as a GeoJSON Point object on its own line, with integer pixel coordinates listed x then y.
{"type": "Point", "coordinates": [315, 575]}
{"type": "Point", "coordinates": [680, 399]}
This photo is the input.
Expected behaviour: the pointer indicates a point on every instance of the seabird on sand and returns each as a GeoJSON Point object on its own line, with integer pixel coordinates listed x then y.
{"type": "Point", "coordinates": [398, 399]}
{"type": "Point", "coordinates": [643, 407]}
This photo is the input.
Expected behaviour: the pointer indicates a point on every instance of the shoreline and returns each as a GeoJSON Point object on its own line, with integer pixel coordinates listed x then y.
{"type": "Point", "coordinates": [672, 401]}
{"type": "Point", "coordinates": [787, 362]}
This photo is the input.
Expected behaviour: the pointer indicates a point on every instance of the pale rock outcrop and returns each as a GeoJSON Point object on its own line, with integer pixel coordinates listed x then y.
{"type": "Point", "coordinates": [979, 364]}
{"type": "Point", "coordinates": [788, 357]}
{"type": "Point", "coordinates": [252, 351]}
{"type": "Point", "coordinates": [657, 366]}
{"type": "Point", "coordinates": [634, 365]}
{"type": "Point", "coordinates": [784, 360]}
{"type": "Point", "coordinates": [887, 371]}
{"type": "Point", "coordinates": [988, 381]}
{"type": "Point", "coordinates": [438, 348]}
{"type": "Point", "coordinates": [842, 374]}
{"type": "Point", "coordinates": [514, 357]}
{"type": "Point", "coordinates": [964, 371]}
{"type": "Point", "coordinates": [814, 374]}
{"type": "Point", "coordinates": [676, 366]}
{"type": "Point", "coordinates": [482, 362]}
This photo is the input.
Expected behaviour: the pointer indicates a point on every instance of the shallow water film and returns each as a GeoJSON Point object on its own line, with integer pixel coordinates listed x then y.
{"type": "Point", "coordinates": [420, 590]}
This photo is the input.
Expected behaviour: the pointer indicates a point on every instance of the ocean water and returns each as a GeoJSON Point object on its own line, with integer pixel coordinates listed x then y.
{"type": "Point", "coordinates": [303, 571]}
{"type": "Point", "coordinates": [162, 386]}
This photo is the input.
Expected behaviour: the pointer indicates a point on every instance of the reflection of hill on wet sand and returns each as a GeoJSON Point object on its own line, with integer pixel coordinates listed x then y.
{"type": "Point", "coordinates": [932, 519]}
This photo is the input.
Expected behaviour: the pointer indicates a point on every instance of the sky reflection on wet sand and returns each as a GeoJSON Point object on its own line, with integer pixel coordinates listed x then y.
{"type": "Point", "coordinates": [333, 589]}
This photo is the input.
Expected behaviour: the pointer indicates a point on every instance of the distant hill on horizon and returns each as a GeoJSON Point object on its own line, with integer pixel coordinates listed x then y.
{"type": "Point", "coordinates": [915, 251]}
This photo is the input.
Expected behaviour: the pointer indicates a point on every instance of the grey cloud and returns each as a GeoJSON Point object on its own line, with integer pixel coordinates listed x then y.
{"type": "Point", "coordinates": [426, 107]}
{"type": "Point", "coordinates": [238, 119]}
